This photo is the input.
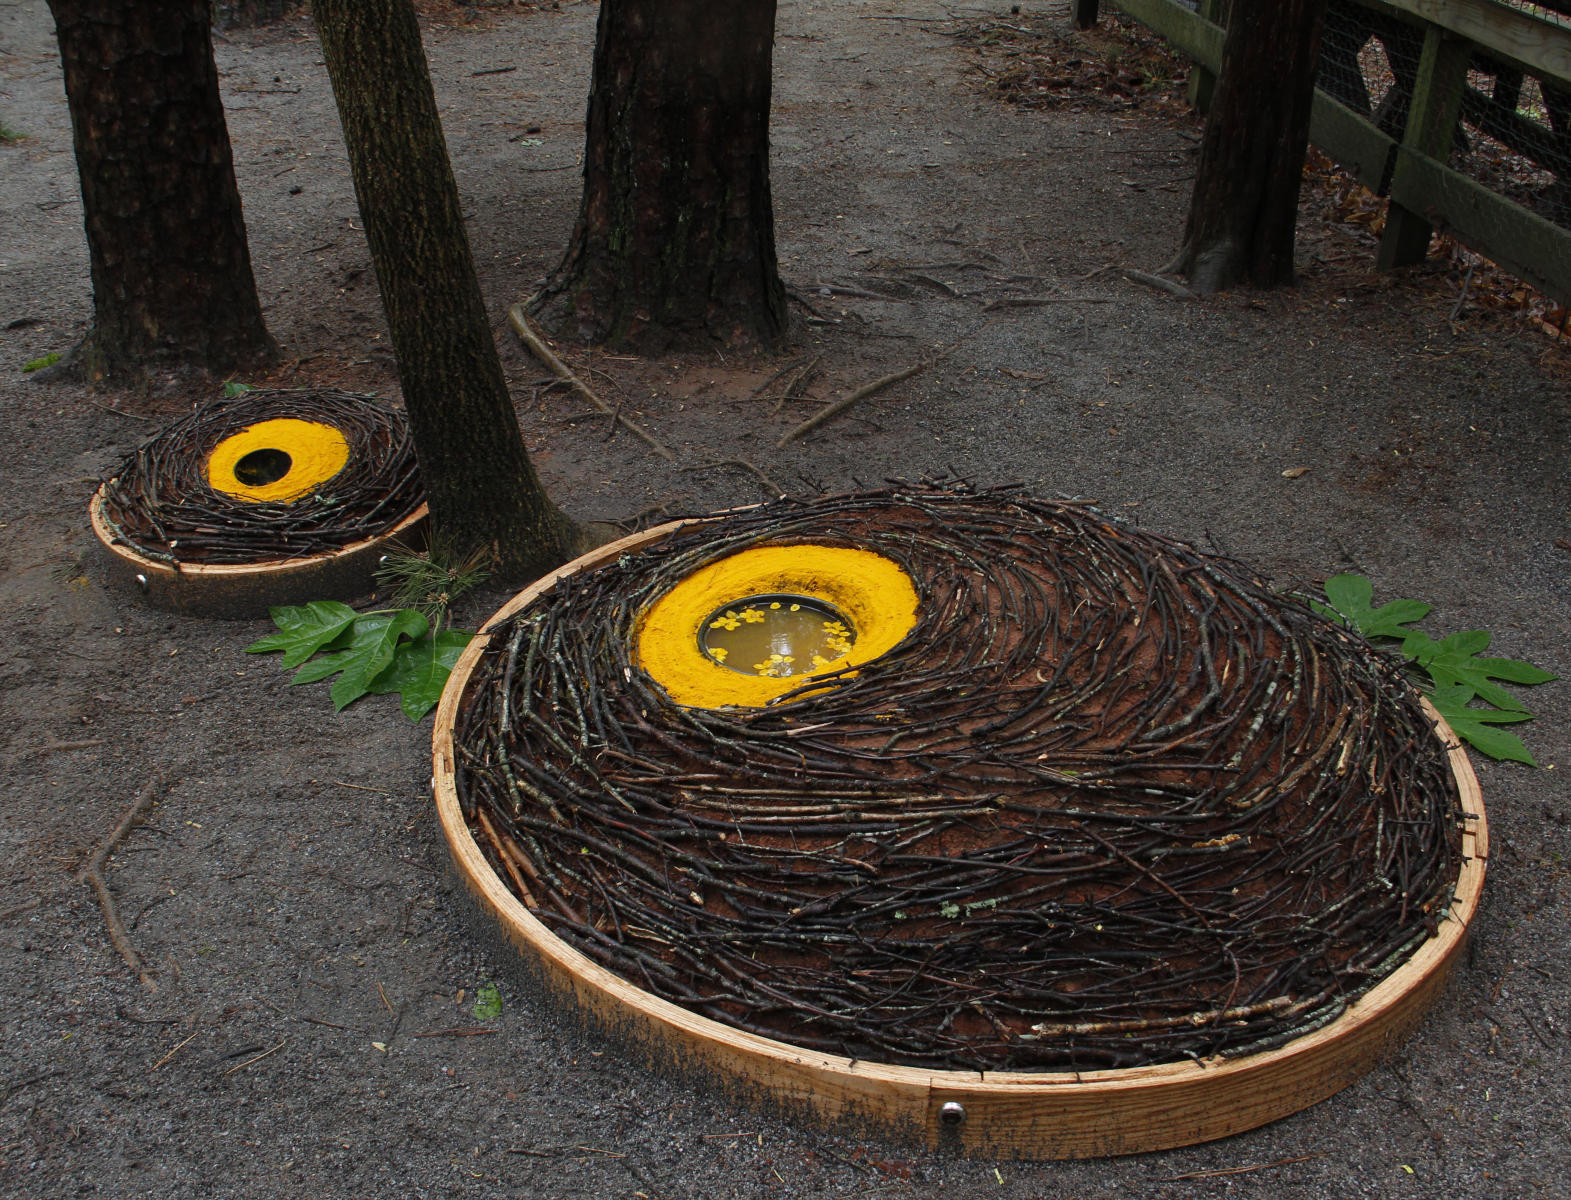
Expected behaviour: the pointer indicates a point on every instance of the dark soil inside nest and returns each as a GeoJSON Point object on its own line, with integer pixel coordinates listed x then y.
{"type": "Point", "coordinates": [313, 1025]}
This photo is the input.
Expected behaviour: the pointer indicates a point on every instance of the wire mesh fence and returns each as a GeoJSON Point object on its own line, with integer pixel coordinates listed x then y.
{"type": "Point", "coordinates": [1514, 132]}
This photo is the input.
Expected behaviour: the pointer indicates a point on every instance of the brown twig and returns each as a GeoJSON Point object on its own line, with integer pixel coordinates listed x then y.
{"type": "Point", "coordinates": [475, 1032]}
{"type": "Point", "coordinates": [360, 787]}
{"type": "Point", "coordinates": [331, 1024]}
{"type": "Point", "coordinates": [1040, 301]}
{"type": "Point", "coordinates": [60, 747]}
{"type": "Point", "coordinates": [841, 289]}
{"type": "Point", "coordinates": [178, 1047]}
{"type": "Point", "coordinates": [1281, 1162]}
{"type": "Point", "coordinates": [537, 346]}
{"type": "Point", "coordinates": [93, 874]}
{"type": "Point", "coordinates": [794, 365]}
{"type": "Point", "coordinates": [773, 488]}
{"type": "Point", "coordinates": [797, 388]}
{"type": "Point", "coordinates": [17, 910]}
{"type": "Point", "coordinates": [845, 402]}
{"type": "Point", "coordinates": [506, 859]}
{"type": "Point", "coordinates": [257, 1059]}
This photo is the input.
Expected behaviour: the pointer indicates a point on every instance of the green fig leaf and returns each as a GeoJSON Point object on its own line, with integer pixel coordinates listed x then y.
{"type": "Point", "coordinates": [304, 629]}
{"type": "Point", "coordinates": [420, 669]}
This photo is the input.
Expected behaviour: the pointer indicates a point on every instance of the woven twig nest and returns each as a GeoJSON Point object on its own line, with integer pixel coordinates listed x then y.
{"type": "Point", "coordinates": [1108, 806]}
{"type": "Point", "coordinates": [271, 497]}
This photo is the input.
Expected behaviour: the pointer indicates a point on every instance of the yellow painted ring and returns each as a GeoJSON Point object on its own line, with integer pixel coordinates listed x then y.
{"type": "Point", "coordinates": [316, 452]}
{"type": "Point", "coordinates": [872, 591]}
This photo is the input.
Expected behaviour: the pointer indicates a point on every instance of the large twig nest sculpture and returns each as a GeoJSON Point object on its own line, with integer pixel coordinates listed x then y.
{"type": "Point", "coordinates": [1000, 792]}
{"type": "Point", "coordinates": [272, 497]}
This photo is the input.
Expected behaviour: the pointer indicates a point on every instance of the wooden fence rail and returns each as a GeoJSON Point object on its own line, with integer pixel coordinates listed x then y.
{"type": "Point", "coordinates": [1402, 151]}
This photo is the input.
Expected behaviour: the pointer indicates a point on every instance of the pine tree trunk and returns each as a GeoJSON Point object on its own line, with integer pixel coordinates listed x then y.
{"type": "Point", "coordinates": [172, 281]}
{"type": "Point", "coordinates": [1245, 203]}
{"type": "Point", "coordinates": [674, 244]}
{"type": "Point", "coordinates": [483, 492]}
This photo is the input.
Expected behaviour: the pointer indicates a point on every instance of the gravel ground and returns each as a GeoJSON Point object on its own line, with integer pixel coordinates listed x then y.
{"type": "Point", "coordinates": [290, 889]}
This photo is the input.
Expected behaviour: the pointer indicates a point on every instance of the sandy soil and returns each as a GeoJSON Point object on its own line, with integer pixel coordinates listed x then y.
{"type": "Point", "coordinates": [289, 887]}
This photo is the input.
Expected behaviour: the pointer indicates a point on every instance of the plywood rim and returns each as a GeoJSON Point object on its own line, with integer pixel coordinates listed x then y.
{"type": "Point", "coordinates": [1005, 1114]}
{"type": "Point", "coordinates": [248, 589]}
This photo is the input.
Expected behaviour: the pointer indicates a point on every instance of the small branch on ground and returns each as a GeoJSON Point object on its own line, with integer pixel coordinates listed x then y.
{"type": "Point", "coordinates": [1040, 301]}
{"type": "Point", "coordinates": [796, 365]}
{"type": "Point", "coordinates": [93, 875]}
{"type": "Point", "coordinates": [17, 910]}
{"type": "Point", "coordinates": [257, 1059]}
{"type": "Point", "coordinates": [537, 346]}
{"type": "Point", "coordinates": [1461, 299]}
{"type": "Point", "coordinates": [59, 747]}
{"type": "Point", "coordinates": [1220, 1171]}
{"type": "Point", "coordinates": [841, 289]}
{"type": "Point", "coordinates": [845, 402]}
{"type": "Point", "coordinates": [797, 388]}
{"type": "Point", "coordinates": [770, 486]}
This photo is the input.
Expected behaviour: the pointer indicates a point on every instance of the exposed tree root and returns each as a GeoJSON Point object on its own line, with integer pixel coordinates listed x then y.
{"type": "Point", "coordinates": [1160, 284]}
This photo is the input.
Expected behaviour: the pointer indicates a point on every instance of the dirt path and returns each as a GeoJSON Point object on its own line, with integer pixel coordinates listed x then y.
{"type": "Point", "coordinates": [288, 888]}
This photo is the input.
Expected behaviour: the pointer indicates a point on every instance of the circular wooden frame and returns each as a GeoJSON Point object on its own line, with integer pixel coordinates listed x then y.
{"type": "Point", "coordinates": [250, 589]}
{"type": "Point", "coordinates": [992, 1114]}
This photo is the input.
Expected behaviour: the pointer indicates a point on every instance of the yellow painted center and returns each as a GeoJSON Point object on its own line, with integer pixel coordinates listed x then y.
{"type": "Point", "coordinates": [279, 460]}
{"type": "Point", "coordinates": [677, 637]}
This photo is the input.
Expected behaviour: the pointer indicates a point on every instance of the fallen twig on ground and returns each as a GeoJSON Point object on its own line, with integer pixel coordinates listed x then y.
{"type": "Point", "coordinates": [845, 402]}
{"type": "Point", "coordinates": [803, 372]}
{"type": "Point", "coordinates": [58, 747]}
{"type": "Point", "coordinates": [17, 910]}
{"type": "Point", "coordinates": [797, 388]}
{"type": "Point", "coordinates": [1461, 296]}
{"type": "Point", "coordinates": [537, 346]}
{"type": "Point", "coordinates": [1040, 301]}
{"type": "Point", "coordinates": [773, 488]}
{"type": "Point", "coordinates": [178, 1046]}
{"type": "Point", "coordinates": [842, 289]}
{"type": "Point", "coordinates": [1281, 1162]}
{"type": "Point", "coordinates": [93, 875]}
{"type": "Point", "coordinates": [257, 1059]}
{"type": "Point", "coordinates": [476, 1031]}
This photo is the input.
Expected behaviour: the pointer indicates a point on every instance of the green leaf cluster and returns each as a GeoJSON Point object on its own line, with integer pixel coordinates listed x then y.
{"type": "Point", "coordinates": [488, 1002]}
{"type": "Point", "coordinates": [372, 653]}
{"type": "Point", "coordinates": [1460, 678]}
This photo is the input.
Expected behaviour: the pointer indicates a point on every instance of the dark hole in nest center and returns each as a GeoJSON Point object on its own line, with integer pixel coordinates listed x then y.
{"type": "Point", "coordinates": [262, 467]}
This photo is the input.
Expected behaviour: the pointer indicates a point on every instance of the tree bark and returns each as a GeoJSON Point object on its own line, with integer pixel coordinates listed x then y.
{"type": "Point", "coordinates": [172, 281]}
{"type": "Point", "coordinates": [674, 245]}
{"type": "Point", "coordinates": [1245, 203]}
{"type": "Point", "coordinates": [483, 491]}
